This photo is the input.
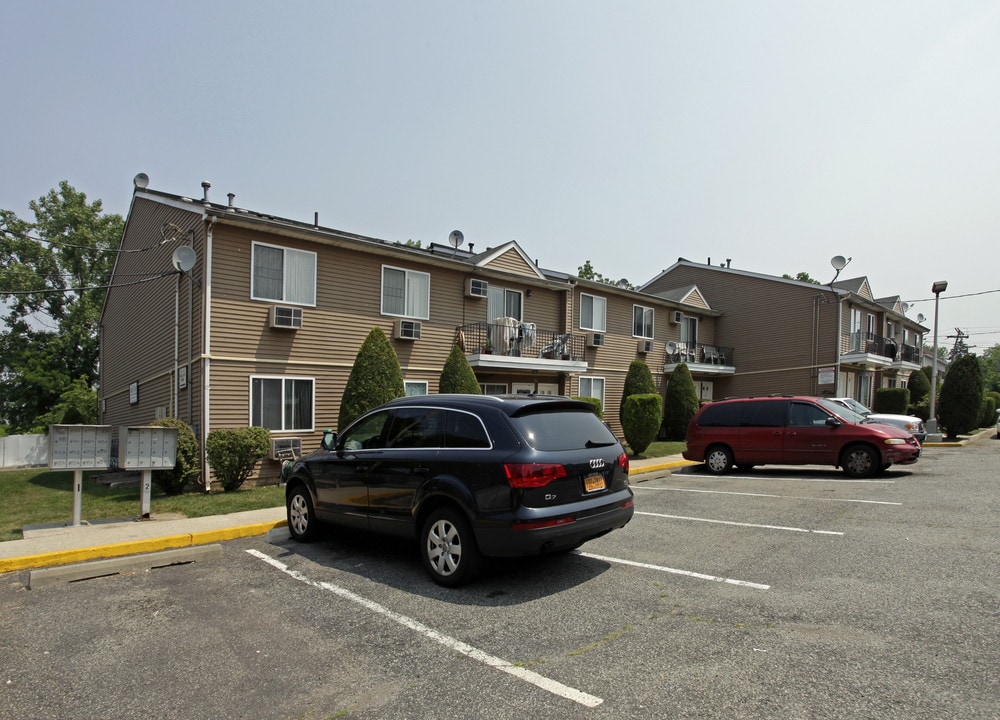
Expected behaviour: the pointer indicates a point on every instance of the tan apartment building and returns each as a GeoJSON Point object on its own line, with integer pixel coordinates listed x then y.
{"type": "Point", "coordinates": [799, 337]}
{"type": "Point", "coordinates": [225, 317]}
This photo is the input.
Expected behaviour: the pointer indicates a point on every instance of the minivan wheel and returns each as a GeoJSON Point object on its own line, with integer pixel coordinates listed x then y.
{"type": "Point", "coordinates": [860, 461]}
{"type": "Point", "coordinates": [718, 459]}
{"type": "Point", "coordinates": [448, 548]}
{"type": "Point", "coordinates": [301, 517]}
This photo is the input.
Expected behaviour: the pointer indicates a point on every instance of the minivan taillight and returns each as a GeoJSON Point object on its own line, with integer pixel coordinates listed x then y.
{"type": "Point", "coordinates": [532, 475]}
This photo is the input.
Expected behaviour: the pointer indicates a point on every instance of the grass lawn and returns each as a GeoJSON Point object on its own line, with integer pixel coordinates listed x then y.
{"type": "Point", "coordinates": [38, 495]}
{"type": "Point", "coordinates": [659, 448]}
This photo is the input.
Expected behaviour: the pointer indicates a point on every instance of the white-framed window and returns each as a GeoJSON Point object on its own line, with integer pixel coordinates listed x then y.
{"type": "Point", "coordinates": [493, 388]}
{"type": "Point", "coordinates": [592, 387]}
{"type": "Point", "coordinates": [593, 312]}
{"type": "Point", "coordinates": [406, 293]}
{"type": "Point", "coordinates": [414, 387]}
{"type": "Point", "coordinates": [282, 403]}
{"type": "Point", "coordinates": [282, 274]}
{"type": "Point", "coordinates": [642, 322]}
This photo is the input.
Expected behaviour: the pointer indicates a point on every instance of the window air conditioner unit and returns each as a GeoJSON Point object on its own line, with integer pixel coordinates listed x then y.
{"type": "Point", "coordinates": [476, 287]}
{"type": "Point", "coordinates": [285, 448]}
{"type": "Point", "coordinates": [676, 317]}
{"type": "Point", "coordinates": [645, 346]}
{"type": "Point", "coordinates": [288, 318]}
{"type": "Point", "coordinates": [407, 330]}
{"type": "Point", "coordinates": [595, 340]}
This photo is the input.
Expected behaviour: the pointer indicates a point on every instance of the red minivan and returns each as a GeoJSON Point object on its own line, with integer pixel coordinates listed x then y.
{"type": "Point", "coordinates": [794, 430]}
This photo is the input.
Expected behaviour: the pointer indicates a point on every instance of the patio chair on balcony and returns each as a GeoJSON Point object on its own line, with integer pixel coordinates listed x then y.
{"type": "Point", "coordinates": [712, 356]}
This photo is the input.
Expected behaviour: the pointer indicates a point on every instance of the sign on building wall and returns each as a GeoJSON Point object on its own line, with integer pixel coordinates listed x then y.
{"type": "Point", "coordinates": [827, 376]}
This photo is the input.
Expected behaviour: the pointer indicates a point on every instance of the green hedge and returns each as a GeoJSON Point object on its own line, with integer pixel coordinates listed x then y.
{"type": "Point", "coordinates": [895, 401]}
{"type": "Point", "coordinates": [233, 453]}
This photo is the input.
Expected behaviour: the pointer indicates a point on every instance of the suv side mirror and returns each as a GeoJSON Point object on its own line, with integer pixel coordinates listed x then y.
{"type": "Point", "coordinates": [329, 441]}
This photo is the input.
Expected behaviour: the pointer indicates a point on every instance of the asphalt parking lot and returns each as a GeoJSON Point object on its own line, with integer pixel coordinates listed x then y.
{"type": "Point", "coordinates": [780, 593]}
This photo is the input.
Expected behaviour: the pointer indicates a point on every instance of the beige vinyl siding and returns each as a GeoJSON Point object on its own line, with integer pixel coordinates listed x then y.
{"type": "Point", "coordinates": [771, 325]}
{"type": "Point", "coordinates": [512, 261]}
{"type": "Point", "coordinates": [138, 323]}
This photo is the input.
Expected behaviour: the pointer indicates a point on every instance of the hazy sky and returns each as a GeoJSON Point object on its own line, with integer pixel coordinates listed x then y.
{"type": "Point", "coordinates": [777, 134]}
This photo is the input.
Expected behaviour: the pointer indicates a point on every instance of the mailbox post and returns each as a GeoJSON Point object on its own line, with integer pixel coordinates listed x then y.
{"type": "Point", "coordinates": [147, 448]}
{"type": "Point", "coordinates": [79, 448]}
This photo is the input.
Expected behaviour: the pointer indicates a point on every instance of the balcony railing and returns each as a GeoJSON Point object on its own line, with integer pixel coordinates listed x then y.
{"type": "Point", "coordinates": [700, 353]}
{"type": "Point", "coordinates": [871, 344]}
{"type": "Point", "coordinates": [520, 340]}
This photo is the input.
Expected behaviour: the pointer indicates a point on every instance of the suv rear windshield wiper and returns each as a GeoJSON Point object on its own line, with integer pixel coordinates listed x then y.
{"type": "Point", "coordinates": [596, 444]}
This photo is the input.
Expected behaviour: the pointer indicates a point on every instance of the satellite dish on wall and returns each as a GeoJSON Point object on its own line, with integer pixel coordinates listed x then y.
{"type": "Point", "coordinates": [906, 306]}
{"type": "Point", "coordinates": [184, 258]}
{"type": "Point", "coordinates": [839, 262]}
{"type": "Point", "coordinates": [920, 317]}
{"type": "Point", "coordinates": [141, 180]}
{"type": "Point", "coordinates": [456, 238]}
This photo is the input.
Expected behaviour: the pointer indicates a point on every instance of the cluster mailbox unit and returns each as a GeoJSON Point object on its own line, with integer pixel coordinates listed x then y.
{"type": "Point", "coordinates": [147, 448]}
{"type": "Point", "coordinates": [88, 447]}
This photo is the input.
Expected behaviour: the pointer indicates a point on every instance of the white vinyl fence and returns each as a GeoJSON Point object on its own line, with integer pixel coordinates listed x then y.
{"type": "Point", "coordinates": [24, 451]}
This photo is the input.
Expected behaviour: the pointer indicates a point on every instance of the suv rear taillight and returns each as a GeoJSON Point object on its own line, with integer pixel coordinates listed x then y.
{"type": "Point", "coordinates": [623, 462]}
{"type": "Point", "coordinates": [532, 475]}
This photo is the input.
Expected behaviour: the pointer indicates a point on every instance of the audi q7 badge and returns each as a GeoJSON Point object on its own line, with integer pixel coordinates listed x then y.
{"type": "Point", "coordinates": [596, 464]}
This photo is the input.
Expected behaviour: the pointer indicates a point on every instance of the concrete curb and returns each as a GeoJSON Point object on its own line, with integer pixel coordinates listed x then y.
{"type": "Point", "coordinates": [135, 547]}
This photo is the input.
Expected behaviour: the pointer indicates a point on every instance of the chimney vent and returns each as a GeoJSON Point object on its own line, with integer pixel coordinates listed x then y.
{"type": "Point", "coordinates": [205, 185]}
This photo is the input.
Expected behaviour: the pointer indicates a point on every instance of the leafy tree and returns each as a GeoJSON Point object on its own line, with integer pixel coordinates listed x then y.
{"type": "Point", "coordinates": [638, 381]}
{"type": "Point", "coordinates": [960, 406]}
{"type": "Point", "coordinates": [376, 378]}
{"type": "Point", "coordinates": [53, 277]}
{"type": "Point", "coordinates": [920, 394]}
{"type": "Point", "coordinates": [681, 403]}
{"type": "Point", "coordinates": [76, 406]}
{"type": "Point", "coordinates": [587, 272]}
{"type": "Point", "coordinates": [457, 376]}
{"type": "Point", "coordinates": [990, 362]}
{"type": "Point", "coordinates": [233, 453]}
{"type": "Point", "coordinates": [643, 413]}
{"type": "Point", "coordinates": [188, 466]}
{"type": "Point", "coordinates": [989, 411]}
{"type": "Point", "coordinates": [803, 276]}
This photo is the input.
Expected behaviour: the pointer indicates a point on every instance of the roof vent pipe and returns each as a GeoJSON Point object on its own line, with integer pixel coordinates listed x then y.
{"type": "Point", "coordinates": [316, 219]}
{"type": "Point", "coordinates": [728, 260]}
{"type": "Point", "coordinates": [205, 186]}
{"type": "Point", "coordinates": [471, 246]}
{"type": "Point", "coordinates": [709, 261]}
{"type": "Point", "coordinates": [231, 196]}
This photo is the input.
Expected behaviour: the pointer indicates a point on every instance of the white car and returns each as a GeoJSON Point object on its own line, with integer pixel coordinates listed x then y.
{"type": "Point", "coordinates": [911, 423]}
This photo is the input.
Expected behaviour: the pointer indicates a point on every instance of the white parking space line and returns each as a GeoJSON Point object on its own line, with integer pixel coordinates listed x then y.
{"type": "Point", "coordinates": [675, 571]}
{"type": "Point", "coordinates": [556, 688]}
{"type": "Point", "coordinates": [741, 524]}
{"type": "Point", "coordinates": [859, 481]}
{"type": "Point", "coordinates": [765, 495]}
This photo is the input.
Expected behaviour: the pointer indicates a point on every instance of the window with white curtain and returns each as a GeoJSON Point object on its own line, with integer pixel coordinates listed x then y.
{"type": "Point", "coordinates": [414, 387]}
{"type": "Point", "coordinates": [642, 321]}
{"type": "Point", "coordinates": [592, 387]}
{"type": "Point", "coordinates": [283, 275]}
{"type": "Point", "coordinates": [406, 293]}
{"type": "Point", "coordinates": [281, 403]}
{"type": "Point", "coordinates": [593, 313]}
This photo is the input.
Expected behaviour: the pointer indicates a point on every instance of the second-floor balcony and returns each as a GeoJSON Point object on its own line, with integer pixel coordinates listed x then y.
{"type": "Point", "coordinates": [514, 345]}
{"type": "Point", "coordinates": [875, 351]}
{"type": "Point", "coordinates": [701, 358]}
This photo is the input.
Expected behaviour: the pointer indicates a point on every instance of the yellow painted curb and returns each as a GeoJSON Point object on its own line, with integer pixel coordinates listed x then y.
{"type": "Point", "coordinates": [135, 547]}
{"type": "Point", "coordinates": [663, 466]}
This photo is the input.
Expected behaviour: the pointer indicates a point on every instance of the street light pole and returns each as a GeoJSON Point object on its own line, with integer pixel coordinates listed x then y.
{"type": "Point", "coordinates": [937, 288]}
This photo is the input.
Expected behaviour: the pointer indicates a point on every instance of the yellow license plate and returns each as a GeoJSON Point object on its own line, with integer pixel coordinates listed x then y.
{"type": "Point", "coordinates": [594, 481]}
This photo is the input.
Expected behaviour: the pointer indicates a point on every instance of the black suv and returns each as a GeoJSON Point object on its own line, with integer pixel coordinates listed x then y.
{"type": "Point", "coordinates": [467, 476]}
